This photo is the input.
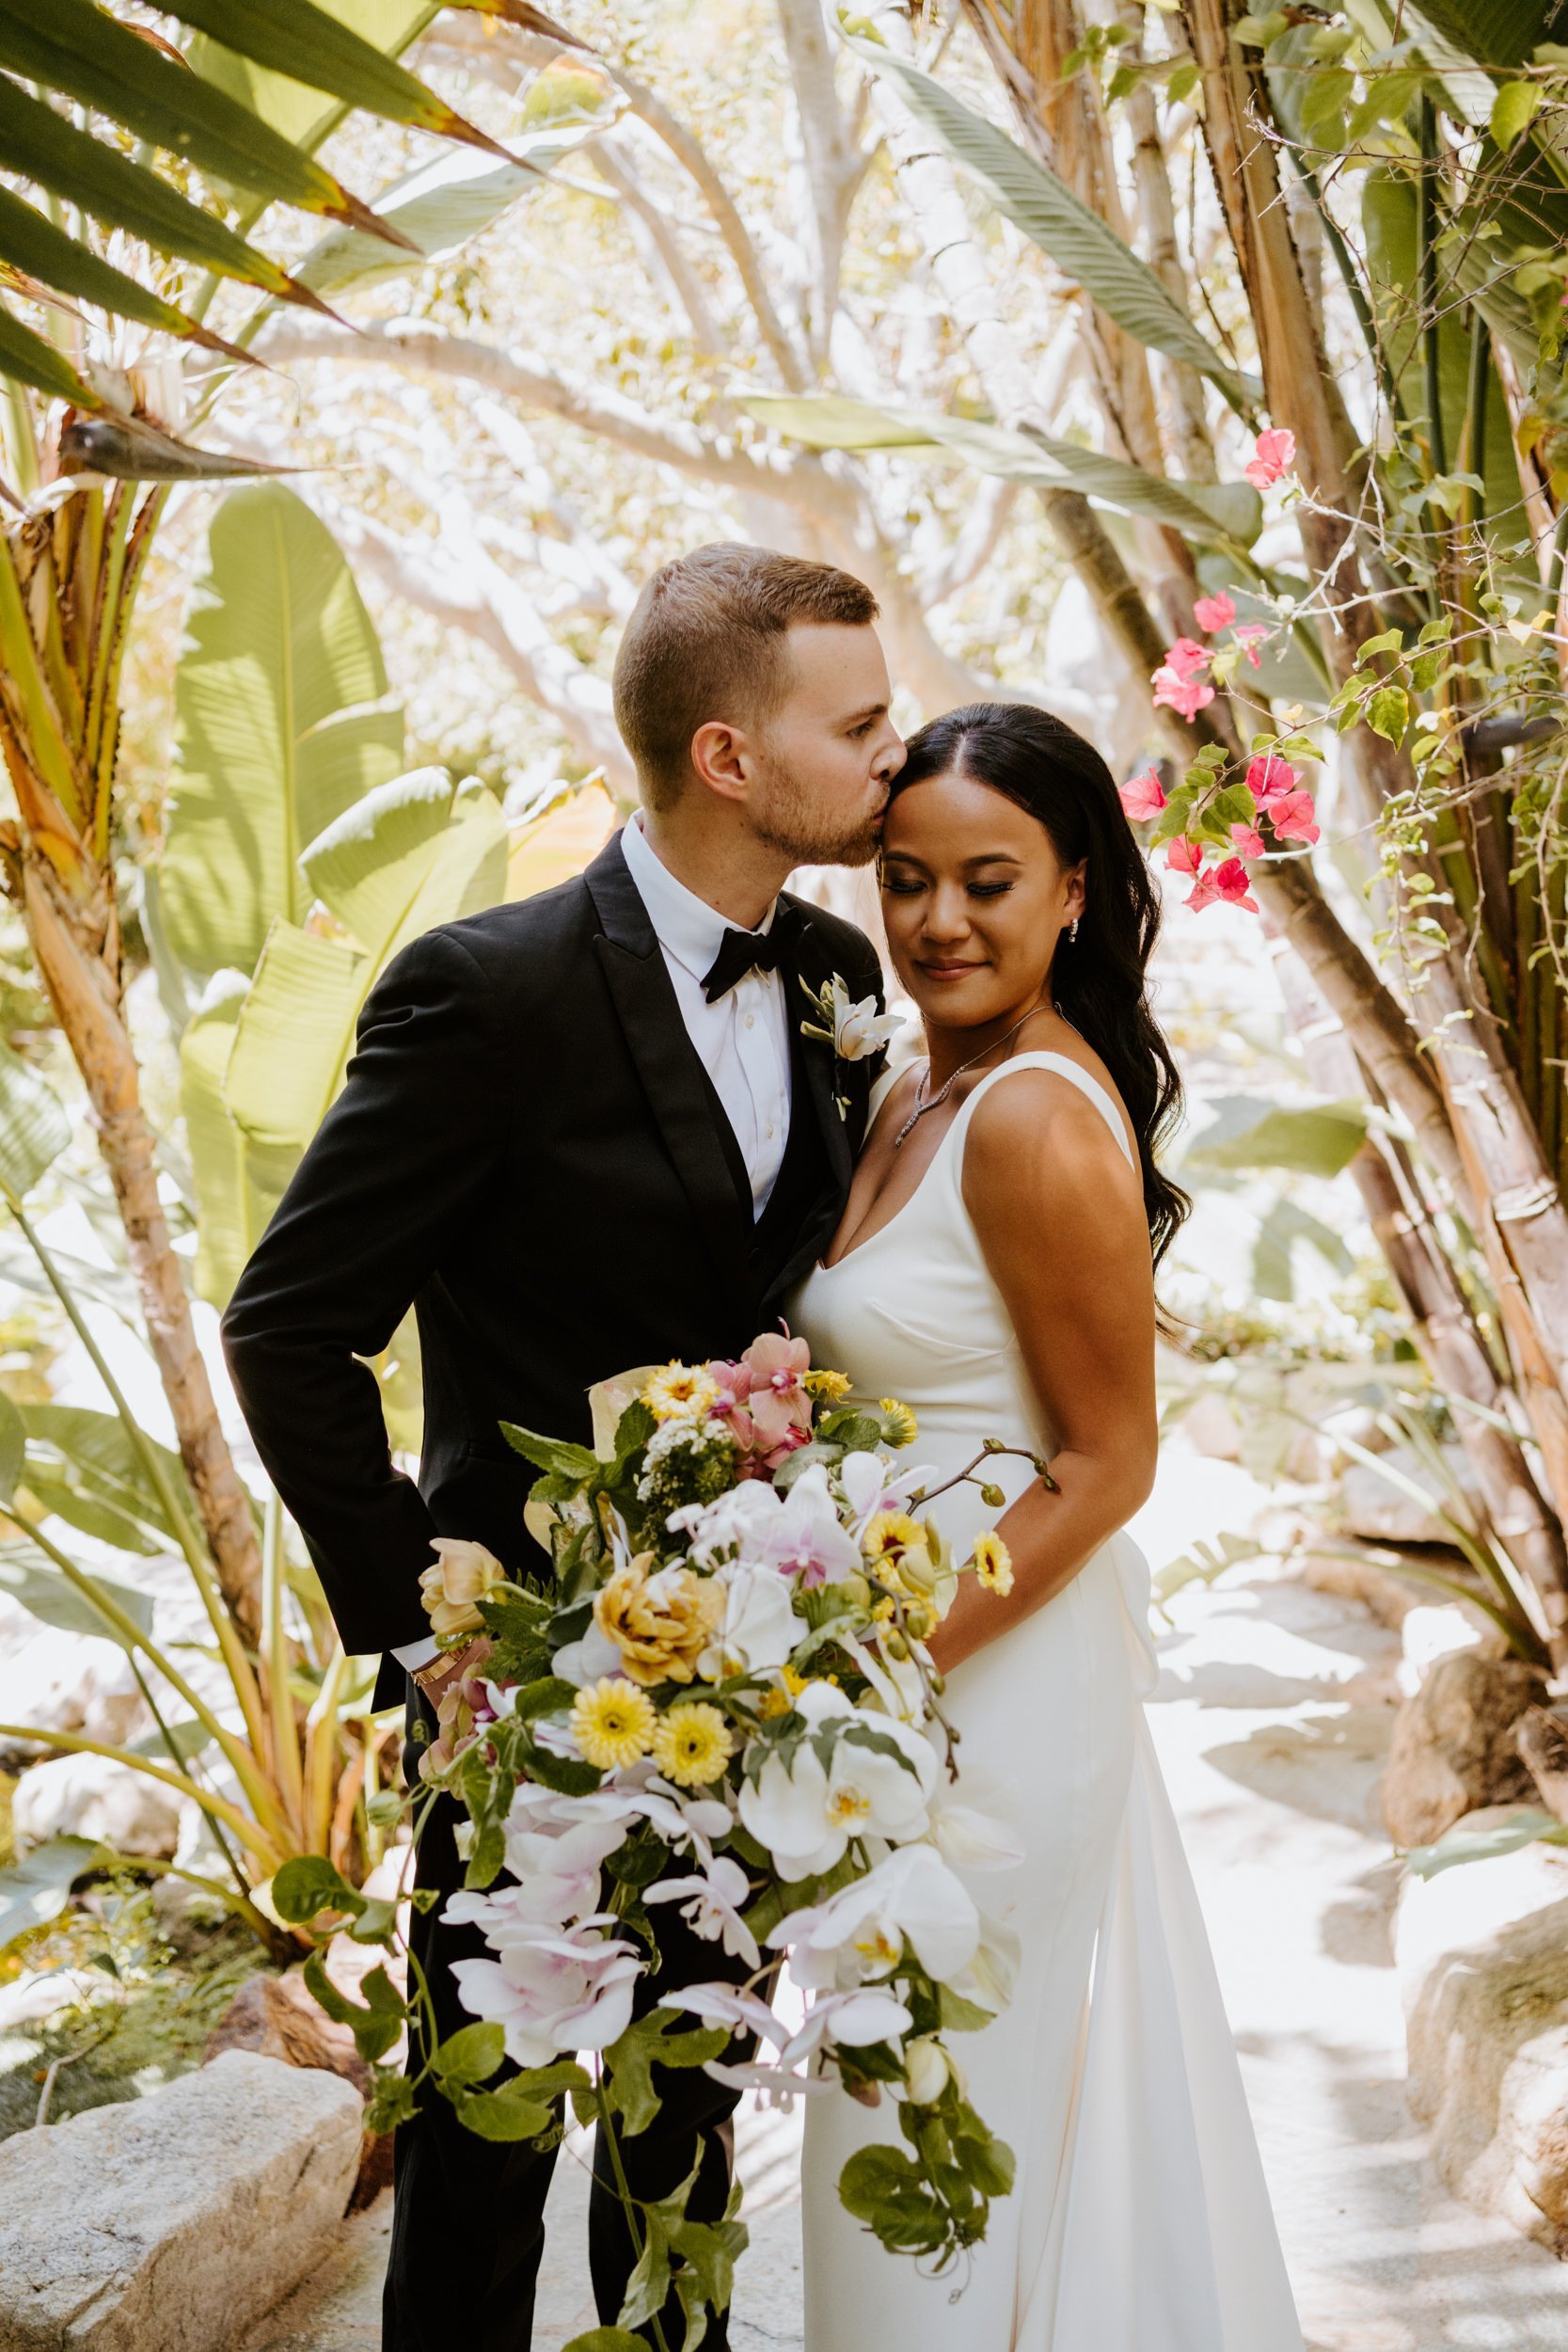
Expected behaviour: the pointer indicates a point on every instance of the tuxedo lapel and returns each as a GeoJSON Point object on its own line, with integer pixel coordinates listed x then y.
{"type": "Point", "coordinates": [668, 1066]}
{"type": "Point", "coordinates": [825, 1080]}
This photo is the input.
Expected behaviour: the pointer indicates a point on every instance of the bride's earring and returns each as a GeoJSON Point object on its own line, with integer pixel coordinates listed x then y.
{"type": "Point", "coordinates": [1073, 929]}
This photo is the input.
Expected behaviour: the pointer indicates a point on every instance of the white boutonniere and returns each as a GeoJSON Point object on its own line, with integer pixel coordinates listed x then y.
{"type": "Point", "coordinates": [855, 1030]}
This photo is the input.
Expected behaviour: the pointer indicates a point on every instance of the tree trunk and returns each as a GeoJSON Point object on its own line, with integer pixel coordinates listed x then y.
{"type": "Point", "coordinates": [78, 984]}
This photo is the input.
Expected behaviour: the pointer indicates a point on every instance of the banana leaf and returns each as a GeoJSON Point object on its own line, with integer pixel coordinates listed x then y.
{"type": "Point", "coordinates": [238, 1181]}
{"type": "Point", "coordinates": [1252, 1131]}
{"type": "Point", "coordinates": [281, 723]}
{"type": "Point", "coordinates": [1035, 200]}
{"type": "Point", "coordinates": [30, 1578]}
{"type": "Point", "coordinates": [34, 1891]}
{"type": "Point", "coordinates": [34, 1129]}
{"type": "Point", "coordinates": [1203, 510]}
{"type": "Point", "coordinates": [81, 1465]}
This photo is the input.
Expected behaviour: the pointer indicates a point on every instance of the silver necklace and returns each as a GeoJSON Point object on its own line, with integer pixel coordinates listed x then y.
{"type": "Point", "coordinates": [921, 1105]}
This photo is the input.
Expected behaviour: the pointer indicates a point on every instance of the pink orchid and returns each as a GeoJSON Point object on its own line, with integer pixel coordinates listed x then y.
{"type": "Point", "coordinates": [1185, 696]}
{"type": "Point", "coordinates": [1274, 454]}
{"type": "Point", "coordinates": [771, 1415]}
{"type": "Point", "coordinates": [1252, 633]}
{"type": "Point", "coordinates": [1143, 797]}
{"type": "Point", "coordinates": [1187, 657]}
{"type": "Point", "coordinates": [1184, 856]}
{"type": "Point", "coordinates": [1212, 612]}
{"type": "Point", "coordinates": [1249, 840]}
{"type": "Point", "coordinates": [1294, 817]}
{"type": "Point", "coordinates": [1270, 779]}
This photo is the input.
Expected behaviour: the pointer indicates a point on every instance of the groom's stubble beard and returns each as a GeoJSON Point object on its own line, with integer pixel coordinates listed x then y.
{"type": "Point", "coordinates": [808, 835]}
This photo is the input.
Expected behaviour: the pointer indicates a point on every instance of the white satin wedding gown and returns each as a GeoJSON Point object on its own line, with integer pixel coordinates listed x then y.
{"type": "Point", "coordinates": [1139, 2221]}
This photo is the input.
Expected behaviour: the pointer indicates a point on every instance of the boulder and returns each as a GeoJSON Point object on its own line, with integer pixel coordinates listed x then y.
{"type": "Point", "coordinates": [280, 2017]}
{"type": "Point", "coordinates": [1482, 1952]}
{"type": "Point", "coordinates": [1381, 1513]}
{"type": "Point", "coordinates": [72, 1682]}
{"type": "Point", "coordinates": [172, 2223]}
{"type": "Point", "coordinates": [1390, 1598]}
{"type": "Point", "coordinates": [1436, 1629]}
{"type": "Point", "coordinates": [1453, 1745]}
{"type": "Point", "coordinates": [92, 1796]}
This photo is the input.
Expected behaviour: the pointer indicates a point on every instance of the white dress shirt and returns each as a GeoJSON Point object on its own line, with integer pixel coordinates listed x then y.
{"type": "Point", "coordinates": [742, 1040]}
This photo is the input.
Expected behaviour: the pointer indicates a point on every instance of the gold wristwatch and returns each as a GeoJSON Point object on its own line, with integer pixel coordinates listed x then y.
{"type": "Point", "coordinates": [445, 1666]}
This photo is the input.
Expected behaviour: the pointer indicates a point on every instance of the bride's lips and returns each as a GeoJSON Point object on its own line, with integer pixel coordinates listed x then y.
{"type": "Point", "coordinates": [949, 971]}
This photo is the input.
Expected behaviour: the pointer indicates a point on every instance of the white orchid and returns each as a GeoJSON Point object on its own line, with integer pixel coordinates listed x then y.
{"type": "Point", "coordinates": [929, 2068]}
{"type": "Point", "coordinates": [876, 1782]}
{"type": "Point", "coordinates": [587, 1660]}
{"type": "Point", "coordinates": [855, 1027]}
{"type": "Point", "coordinates": [551, 1989]}
{"type": "Point", "coordinates": [759, 1627]}
{"type": "Point", "coordinates": [970, 1839]}
{"type": "Point", "coordinates": [860, 1933]}
{"type": "Point", "coordinates": [853, 2019]}
{"type": "Point", "coordinates": [807, 1540]}
{"type": "Point", "coordinates": [989, 1979]}
{"type": "Point", "coordinates": [733, 1523]}
{"type": "Point", "coordinates": [710, 1904]}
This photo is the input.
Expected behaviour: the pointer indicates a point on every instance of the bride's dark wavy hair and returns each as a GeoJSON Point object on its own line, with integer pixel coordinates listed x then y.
{"type": "Point", "coordinates": [1098, 980]}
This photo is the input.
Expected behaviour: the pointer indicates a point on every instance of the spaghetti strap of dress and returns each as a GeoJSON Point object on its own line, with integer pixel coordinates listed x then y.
{"type": "Point", "coordinates": [1062, 1067]}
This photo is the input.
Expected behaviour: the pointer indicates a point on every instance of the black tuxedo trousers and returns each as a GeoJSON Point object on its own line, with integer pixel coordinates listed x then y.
{"type": "Point", "coordinates": [529, 1153]}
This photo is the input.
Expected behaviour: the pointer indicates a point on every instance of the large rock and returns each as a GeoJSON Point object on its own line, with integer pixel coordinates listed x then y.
{"type": "Point", "coordinates": [1483, 1958]}
{"type": "Point", "coordinates": [1453, 1745]}
{"type": "Point", "coordinates": [72, 1682]}
{"type": "Point", "coordinates": [1371, 1506]}
{"type": "Point", "coordinates": [92, 1796]}
{"type": "Point", "coordinates": [280, 2017]}
{"type": "Point", "coordinates": [173, 2222]}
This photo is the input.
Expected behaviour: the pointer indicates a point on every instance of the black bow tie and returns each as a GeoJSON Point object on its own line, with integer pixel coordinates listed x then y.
{"type": "Point", "coordinates": [740, 952]}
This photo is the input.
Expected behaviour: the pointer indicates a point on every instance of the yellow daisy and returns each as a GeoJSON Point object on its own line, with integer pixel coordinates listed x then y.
{"type": "Point", "coordinates": [889, 1531]}
{"type": "Point", "coordinates": [827, 1388]}
{"type": "Point", "coordinates": [613, 1724]}
{"type": "Point", "coordinates": [993, 1563]}
{"type": "Point", "coordinates": [680, 1391]}
{"type": "Point", "coordinates": [692, 1745]}
{"type": "Point", "coordinates": [899, 1425]}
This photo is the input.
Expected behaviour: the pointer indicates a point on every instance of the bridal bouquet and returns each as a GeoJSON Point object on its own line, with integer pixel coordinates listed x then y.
{"type": "Point", "coordinates": [721, 1703]}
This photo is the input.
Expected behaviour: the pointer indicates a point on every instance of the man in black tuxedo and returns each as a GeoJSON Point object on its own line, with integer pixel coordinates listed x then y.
{"type": "Point", "coordinates": [578, 1134]}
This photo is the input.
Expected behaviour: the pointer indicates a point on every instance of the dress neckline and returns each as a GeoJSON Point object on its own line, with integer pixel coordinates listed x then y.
{"type": "Point", "coordinates": [1043, 1057]}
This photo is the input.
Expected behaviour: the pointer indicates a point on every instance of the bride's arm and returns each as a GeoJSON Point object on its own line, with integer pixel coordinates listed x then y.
{"type": "Point", "coordinates": [1059, 1215]}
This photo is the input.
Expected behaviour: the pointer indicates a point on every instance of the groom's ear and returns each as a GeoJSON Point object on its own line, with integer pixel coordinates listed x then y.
{"type": "Point", "coordinates": [722, 758]}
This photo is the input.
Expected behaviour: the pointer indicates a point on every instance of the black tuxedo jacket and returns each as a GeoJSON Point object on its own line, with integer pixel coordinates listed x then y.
{"type": "Point", "coordinates": [529, 1151]}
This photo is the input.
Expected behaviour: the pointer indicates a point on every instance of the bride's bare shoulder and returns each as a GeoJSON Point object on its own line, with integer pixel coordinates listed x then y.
{"type": "Point", "coordinates": [1040, 1133]}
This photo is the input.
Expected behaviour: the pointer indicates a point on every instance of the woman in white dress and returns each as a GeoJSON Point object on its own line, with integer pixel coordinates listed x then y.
{"type": "Point", "coordinates": [994, 1269]}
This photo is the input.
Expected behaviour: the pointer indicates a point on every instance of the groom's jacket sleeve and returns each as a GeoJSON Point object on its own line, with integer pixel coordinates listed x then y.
{"type": "Point", "coordinates": [416, 1133]}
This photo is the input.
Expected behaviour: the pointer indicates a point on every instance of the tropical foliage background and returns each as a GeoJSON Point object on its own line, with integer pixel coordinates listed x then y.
{"type": "Point", "coordinates": [344, 410]}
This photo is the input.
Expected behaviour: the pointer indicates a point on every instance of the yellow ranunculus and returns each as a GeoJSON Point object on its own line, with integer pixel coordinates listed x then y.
{"type": "Point", "coordinates": [464, 1574]}
{"type": "Point", "coordinates": [662, 1623]}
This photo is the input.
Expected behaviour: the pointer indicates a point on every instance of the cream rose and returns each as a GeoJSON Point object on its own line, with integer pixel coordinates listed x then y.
{"type": "Point", "coordinates": [660, 1624]}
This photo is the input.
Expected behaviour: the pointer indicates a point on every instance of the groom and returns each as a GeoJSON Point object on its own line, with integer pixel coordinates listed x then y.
{"type": "Point", "coordinates": [580, 1133]}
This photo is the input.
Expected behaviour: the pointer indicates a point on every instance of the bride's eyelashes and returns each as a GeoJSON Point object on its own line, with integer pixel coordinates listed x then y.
{"type": "Point", "coordinates": [898, 888]}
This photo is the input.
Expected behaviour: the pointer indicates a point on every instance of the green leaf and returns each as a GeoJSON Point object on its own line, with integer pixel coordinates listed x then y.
{"type": "Point", "coordinates": [307, 1885]}
{"type": "Point", "coordinates": [1512, 111]}
{"type": "Point", "coordinates": [442, 205]}
{"type": "Point", "coordinates": [85, 1465]}
{"type": "Point", "coordinates": [553, 1456]}
{"type": "Point", "coordinates": [188, 1738]}
{"type": "Point", "coordinates": [38, 142]}
{"type": "Point", "coordinates": [1033, 198]}
{"type": "Point", "coordinates": [31, 243]}
{"type": "Point", "coordinates": [412, 853]}
{"type": "Point", "coordinates": [1203, 510]}
{"type": "Point", "coordinates": [13, 1446]}
{"type": "Point", "coordinates": [507, 2114]}
{"type": "Point", "coordinates": [28, 359]}
{"type": "Point", "coordinates": [1388, 713]}
{"type": "Point", "coordinates": [238, 1181]}
{"type": "Point", "coordinates": [73, 48]}
{"type": "Point", "coordinates": [885, 2188]}
{"type": "Point", "coordinates": [655, 2040]}
{"type": "Point", "coordinates": [37, 1889]}
{"type": "Point", "coordinates": [606, 2340]}
{"type": "Point", "coordinates": [1253, 1130]}
{"type": "Point", "coordinates": [301, 114]}
{"type": "Point", "coordinates": [32, 1579]}
{"type": "Point", "coordinates": [1501, 33]}
{"type": "Point", "coordinates": [34, 1129]}
{"type": "Point", "coordinates": [281, 724]}
{"type": "Point", "coordinates": [376, 2023]}
{"type": "Point", "coordinates": [1524, 1828]}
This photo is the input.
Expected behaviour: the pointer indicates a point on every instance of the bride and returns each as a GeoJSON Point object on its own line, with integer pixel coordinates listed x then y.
{"type": "Point", "coordinates": [994, 1269]}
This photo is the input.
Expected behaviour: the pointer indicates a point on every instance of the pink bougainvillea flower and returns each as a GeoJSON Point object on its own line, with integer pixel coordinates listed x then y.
{"type": "Point", "coordinates": [1271, 778]}
{"type": "Point", "coordinates": [1212, 612]}
{"type": "Point", "coordinates": [1184, 856]}
{"type": "Point", "coordinates": [1274, 454]}
{"type": "Point", "coordinates": [1249, 840]}
{"type": "Point", "coordinates": [1143, 797]}
{"type": "Point", "coordinates": [1187, 657]}
{"type": "Point", "coordinates": [1252, 633]}
{"type": "Point", "coordinates": [1232, 881]}
{"type": "Point", "coordinates": [1186, 696]}
{"type": "Point", "coordinates": [1295, 817]}
{"type": "Point", "coordinates": [1201, 894]}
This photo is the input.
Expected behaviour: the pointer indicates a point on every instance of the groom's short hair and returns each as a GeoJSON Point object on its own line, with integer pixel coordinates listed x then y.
{"type": "Point", "coordinates": [707, 640]}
